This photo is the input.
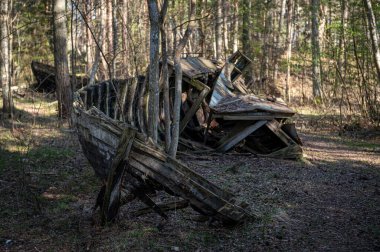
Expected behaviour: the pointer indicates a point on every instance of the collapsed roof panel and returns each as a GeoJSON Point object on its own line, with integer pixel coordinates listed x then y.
{"type": "Point", "coordinates": [194, 67]}
{"type": "Point", "coordinates": [250, 103]}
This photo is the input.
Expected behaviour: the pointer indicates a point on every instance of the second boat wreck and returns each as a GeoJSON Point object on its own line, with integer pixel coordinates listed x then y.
{"type": "Point", "coordinates": [220, 111]}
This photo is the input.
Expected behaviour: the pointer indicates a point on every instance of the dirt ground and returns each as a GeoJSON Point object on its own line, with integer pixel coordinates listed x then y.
{"type": "Point", "coordinates": [330, 200]}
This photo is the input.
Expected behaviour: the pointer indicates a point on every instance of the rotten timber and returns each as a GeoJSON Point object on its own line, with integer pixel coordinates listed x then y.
{"type": "Point", "coordinates": [257, 121]}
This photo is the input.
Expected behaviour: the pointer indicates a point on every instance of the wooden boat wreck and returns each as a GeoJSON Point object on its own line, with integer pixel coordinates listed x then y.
{"type": "Point", "coordinates": [222, 112]}
{"type": "Point", "coordinates": [45, 76]}
{"type": "Point", "coordinates": [132, 166]}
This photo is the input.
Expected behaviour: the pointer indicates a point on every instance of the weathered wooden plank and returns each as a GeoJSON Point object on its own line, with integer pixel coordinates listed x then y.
{"type": "Point", "coordinates": [241, 131]}
{"type": "Point", "coordinates": [186, 187]}
{"type": "Point", "coordinates": [130, 101]}
{"type": "Point", "coordinates": [119, 163]}
{"type": "Point", "coordinates": [275, 127]}
{"type": "Point", "coordinates": [197, 103]}
{"type": "Point", "coordinates": [247, 118]}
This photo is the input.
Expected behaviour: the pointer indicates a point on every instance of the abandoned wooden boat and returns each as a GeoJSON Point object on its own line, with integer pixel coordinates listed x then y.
{"type": "Point", "coordinates": [134, 167]}
{"type": "Point", "coordinates": [45, 76]}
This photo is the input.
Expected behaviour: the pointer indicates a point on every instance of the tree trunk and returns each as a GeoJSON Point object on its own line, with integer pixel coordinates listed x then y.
{"type": "Point", "coordinates": [315, 50]}
{"type": "Point", "coordinates": [98, 47]}
{"type": "Point", "coordinates": [165, 76]}
{"type": "Point", "coordinates": [178, 82]}
{"type": "Point", "coordinates": [201, 29]}
{"type": "Point", "coordinates": [114, 37]}
{"type": "Point", "coordinates": [235, 42]}
{"type": "Point", "coordinates": [89, 39]}
{"type": "Point", "coordinates": [218, 29]}
{"type": "Point", "coordinates": [153, 70]}
{"type": "Point", "coordinates": [374, 36]}
{"type": "Point", "coordinates": [289, 37]}
{"type": "Point", "coordinates": [62, 79]}
{"type": "Point", "coordinates": [4, 59]}
{"type": "Point", "coordinates": [125, 39]}
{"type": "Point", "coordinates": [279, 41]}
{"type": "Point", "coordinates": [246, 36]}
{"type": "Point", "coordinates": [226, 21]}
{"type": "Point", "coordinates": [341, 71]}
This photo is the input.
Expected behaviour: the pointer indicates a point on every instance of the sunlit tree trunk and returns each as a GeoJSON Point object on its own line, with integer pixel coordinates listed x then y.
{"type": "Point", "coordinates": [4, 57]}
{"type": "Point", "coordinates": [279, 40]}
{"type": "Point", "coordinates": [374, 36]}
{"type": "Point", "coordinates": [246, 35]}
{"type": "Point", "coordinates": [114, 37]}
{"type": "Point", "coordinates": [89, 39]}
{"type": "Point", "coordinates": [153, 69]}
{"type": "Point", "coordinates": [226, 18]}
{"type": "Point", "coordinates": [165, 76]}
{"type": "Point", "coordinates": [235, 42]}
{"type": "Point", "coordinates": [98, 47]}
{"type": "Point", "coordinates": [125, 39]}
{"type": "Point", "coordinates": [316, 65]}
{"type": "Point", "coordinates": [289, 38]}
{"type": "Point", "coordinates": [62, 79]}
{"type": "Point", "coordinates": [178, 82]}
{"type": "Point", "coordinates": [218, 29]}
{"type": "Point", "coordinates": [342, 44]}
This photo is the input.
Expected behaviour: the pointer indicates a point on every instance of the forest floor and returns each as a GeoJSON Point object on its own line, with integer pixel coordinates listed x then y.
{"type": "Point", "coordinates": [330, 200]}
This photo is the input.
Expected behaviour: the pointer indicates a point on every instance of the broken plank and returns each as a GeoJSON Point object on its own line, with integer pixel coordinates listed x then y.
{"type": "Point", "coordinates": [247, 118]}
{"type": "Point", "coordinates": [112, 194]}
{"type": "Point", "coordinates": [194, 108]}
{"type": "Point", "coordinates": [243, 115]}
{"type": "Point", "coordinates": [241, 131]}
{"type": "Point", "coordinates": [275, 127]}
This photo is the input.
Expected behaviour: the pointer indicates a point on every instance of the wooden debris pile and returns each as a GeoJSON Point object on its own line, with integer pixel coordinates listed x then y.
{"type": "Point", "coordinates": [220, 111]}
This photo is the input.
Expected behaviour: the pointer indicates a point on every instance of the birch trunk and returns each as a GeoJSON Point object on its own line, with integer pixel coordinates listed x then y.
{"type": "Point", "coordinates": [178, 82]}
{"type": "Point", "coordinates": [4, 59]}
{"type": "Point", "coordinates": [374, 36]}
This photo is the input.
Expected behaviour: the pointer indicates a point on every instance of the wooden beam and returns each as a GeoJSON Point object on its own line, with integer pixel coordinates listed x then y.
{"type": "Point", "coordinates": [197, 103]}
{"type": "Point", "coordinates": [111, 201]}
{"type": "Point", "coordinates": [248, 118]}
{"type": "Point", "coordinates": [237, 134]}
{"type": "Point", "coordinates": [275, 127]}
